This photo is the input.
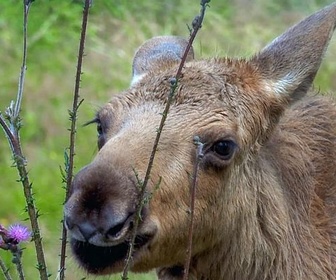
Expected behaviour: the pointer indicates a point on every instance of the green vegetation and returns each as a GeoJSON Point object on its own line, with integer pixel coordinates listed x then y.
{"type": "Point", "coordinates": [116, 29]}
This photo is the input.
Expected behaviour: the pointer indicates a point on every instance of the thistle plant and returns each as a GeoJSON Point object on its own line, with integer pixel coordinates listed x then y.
{"type": "Point", "coordinates": [11, 125]}
{"type": "Point", "coordinates": [15, 233]}
{"type": "Point", "coordinates": [10, 241]}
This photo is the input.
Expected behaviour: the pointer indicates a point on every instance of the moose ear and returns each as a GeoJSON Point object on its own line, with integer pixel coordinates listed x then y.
{"type": "Point", "coordinates": [156, 51]}
{"type": "Point", "coordinates": [291, 61]}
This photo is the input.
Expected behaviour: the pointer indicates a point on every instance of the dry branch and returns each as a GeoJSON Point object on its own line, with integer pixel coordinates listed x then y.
{"type": "Point", "coordinates": [199, 156]}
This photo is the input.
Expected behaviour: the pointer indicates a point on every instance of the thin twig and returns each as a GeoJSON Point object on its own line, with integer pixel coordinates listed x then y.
{"type": "Point", "coordinates": [5, 270]}
{"type": "Point", "coordinates": [17, 108]}
{"type": "Point", "coordinates": [196, 25]}
{"type": "Point", "coordinates": [73, 118]}
{"type": "Point", "coordinates": [199, 156]}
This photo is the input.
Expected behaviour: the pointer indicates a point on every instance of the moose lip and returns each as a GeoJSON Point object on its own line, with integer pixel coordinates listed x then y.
{"type": "Point", "coordinates": [97, 259]}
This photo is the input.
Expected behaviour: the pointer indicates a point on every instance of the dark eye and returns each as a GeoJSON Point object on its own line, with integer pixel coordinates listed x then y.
{"type": "Point", "coordinates": [101, 137]}
{"type": "Point", "coordinates": [224, 149]}
{"type": "Point", "coordinates": [99, 129]}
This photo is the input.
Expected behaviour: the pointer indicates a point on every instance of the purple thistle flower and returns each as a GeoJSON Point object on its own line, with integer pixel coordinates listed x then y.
{"type": "Point", "coordinates": [18, 233]}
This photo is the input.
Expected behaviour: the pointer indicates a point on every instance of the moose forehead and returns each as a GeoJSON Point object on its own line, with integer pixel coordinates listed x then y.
{"type": "Point", "coordinates": [209, 92]}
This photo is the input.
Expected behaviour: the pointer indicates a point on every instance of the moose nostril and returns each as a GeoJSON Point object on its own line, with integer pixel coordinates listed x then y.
{"type": "Point", "coordinates": [117, 229]}
{"type": "Point", "coordinates": [87, 230]}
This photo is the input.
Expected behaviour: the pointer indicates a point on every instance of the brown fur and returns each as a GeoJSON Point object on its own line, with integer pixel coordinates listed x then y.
{"type": "Point", "coordinates": [266, 212]}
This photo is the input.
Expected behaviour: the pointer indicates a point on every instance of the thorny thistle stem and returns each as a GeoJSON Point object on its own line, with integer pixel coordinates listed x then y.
{"type": "Point", "coordinates": [17, 254]}
{"type": "Point", "coordinates": [17, 260]}
{"type": "Point", "coordinates": [69, 165]}
{"type": "Point", "coordinates": [196, 25]}
{"type": "Point", "coordinates": [11, 129]}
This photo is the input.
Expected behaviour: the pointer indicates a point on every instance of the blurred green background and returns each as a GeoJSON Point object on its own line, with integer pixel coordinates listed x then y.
{"type": "Point", "coordinates": [116, 29]}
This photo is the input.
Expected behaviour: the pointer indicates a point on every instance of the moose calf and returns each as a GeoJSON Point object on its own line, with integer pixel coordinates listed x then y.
{"type": "Point", "coordinates": [265, 205]}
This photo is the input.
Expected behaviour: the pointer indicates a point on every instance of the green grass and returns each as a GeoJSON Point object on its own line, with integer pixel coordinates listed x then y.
{"type": "Point", "coordinates": [116, 29]}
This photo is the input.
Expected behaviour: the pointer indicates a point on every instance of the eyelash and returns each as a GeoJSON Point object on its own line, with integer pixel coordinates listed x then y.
{"type": "Point", "coordinates": [96, 120]}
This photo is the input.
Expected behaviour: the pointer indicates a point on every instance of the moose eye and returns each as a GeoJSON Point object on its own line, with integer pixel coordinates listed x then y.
{"type": "Point", "coordinates": [224, 149]}
{"type": "Point", "coordinates": [101, 137]}
{"type": "Point", "coordinates": [99, 129]}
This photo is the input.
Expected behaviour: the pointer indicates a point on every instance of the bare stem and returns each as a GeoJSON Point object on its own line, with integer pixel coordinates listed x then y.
{"type": "Point", "coordinates": [199, 156]}
{"type": "Point", "coordinates": [17, 108]}
{"type": "Point", "coordinates": [196, 25]}
{"type": "Point", "coordinates": [73, 118]}
{"type": "Point", "coordinates": [5, 270]}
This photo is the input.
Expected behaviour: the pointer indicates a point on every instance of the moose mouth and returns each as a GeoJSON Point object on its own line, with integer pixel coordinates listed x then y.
{"type": "Point", "coordinates": [97, 259]}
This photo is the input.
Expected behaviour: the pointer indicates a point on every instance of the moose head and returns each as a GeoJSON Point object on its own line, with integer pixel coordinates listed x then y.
{"type": "Point", "coordinates": [265, 204]}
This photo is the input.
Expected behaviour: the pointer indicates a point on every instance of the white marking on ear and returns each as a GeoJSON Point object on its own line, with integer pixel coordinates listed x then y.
{"type": "Point", "coordinates": [282, 85]}
{"type": "Point", "coordinates": [291, 61]}
{"type": "Point", "coordinates": [136, 78]}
